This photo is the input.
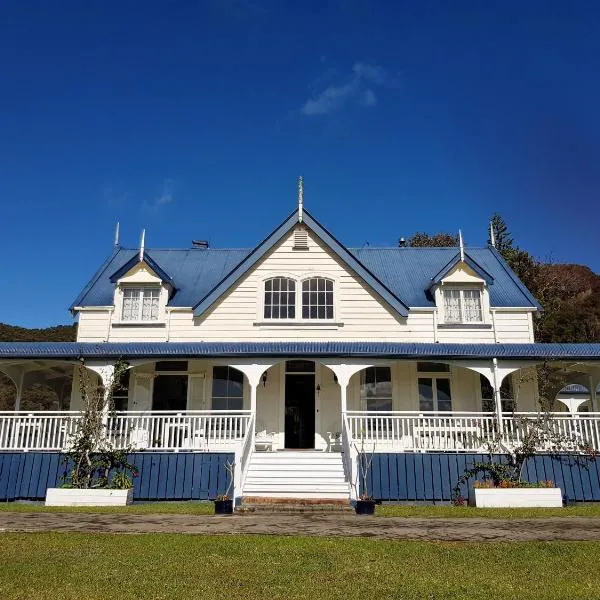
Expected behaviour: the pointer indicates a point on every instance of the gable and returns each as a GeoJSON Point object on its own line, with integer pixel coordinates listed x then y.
{"type": "Point", "coordinates": [462, 273]}
{"type": "Point", "coordinates": [140, 273]}
{"type": "Point", "coordinates": [353, 297]}
{"type": "Point", "coordinates": [317, 231]}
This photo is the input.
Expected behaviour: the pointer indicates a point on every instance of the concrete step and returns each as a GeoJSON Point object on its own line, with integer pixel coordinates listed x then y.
{"type": "Point", "coordinates": [299, 495]}
{"type": "Point", "coordinates": [263, 505]}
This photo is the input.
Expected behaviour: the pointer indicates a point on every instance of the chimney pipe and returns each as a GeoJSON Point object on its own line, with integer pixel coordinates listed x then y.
{"type": "Point", "coordinates": [401, 243]}
{"type": "Point", "coordinates": [202, 244]}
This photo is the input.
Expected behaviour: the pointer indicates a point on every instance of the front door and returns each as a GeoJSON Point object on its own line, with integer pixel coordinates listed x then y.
{"type": "Point", "coordinates": [300, 404]}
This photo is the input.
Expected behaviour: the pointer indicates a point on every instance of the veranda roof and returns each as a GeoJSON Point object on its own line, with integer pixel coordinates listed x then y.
{"type": "Point", "coordinates": [397, 350]}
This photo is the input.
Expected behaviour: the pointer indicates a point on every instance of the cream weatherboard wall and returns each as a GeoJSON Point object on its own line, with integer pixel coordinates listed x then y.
{"type": "Point", "coordinates": [360, 314]}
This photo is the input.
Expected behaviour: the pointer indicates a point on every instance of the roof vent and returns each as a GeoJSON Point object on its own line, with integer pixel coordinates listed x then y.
{"type": "Point", "coordinates": [300, 239]}
{"type": "Point", "coordinates": [202, 244]}
{"type": "Point", "coordinates": [401, 243]}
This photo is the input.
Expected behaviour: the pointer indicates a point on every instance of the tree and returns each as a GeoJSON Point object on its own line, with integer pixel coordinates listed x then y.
{"type": "Point", "coordinates": [502, 237]}
{"type": "Point", "coordinates": [437, 240]}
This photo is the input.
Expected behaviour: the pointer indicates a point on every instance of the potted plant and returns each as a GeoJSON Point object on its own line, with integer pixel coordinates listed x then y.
{"type": "Point", "coordinates": [97, 474]}
{"type": "Point", "coordinates": [224, 502]}
{"type": "Point", "coordinates": [503, 484]}
{"type": "Point", "coordinates": [365, 503]}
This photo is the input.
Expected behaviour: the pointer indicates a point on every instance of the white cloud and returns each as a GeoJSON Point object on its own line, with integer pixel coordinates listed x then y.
{"type": "Point", "coordinates": [164, 198]}
{"type": "Point", "coordinates": [353, 89]}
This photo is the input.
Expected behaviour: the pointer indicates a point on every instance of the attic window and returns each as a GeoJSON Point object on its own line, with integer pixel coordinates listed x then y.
{"type": "Point", "coordinates": [300, 239]}
{"type": "Point", "coordinates": [462, 306]}
{"type": "Point", "coordinates": [140, 303]}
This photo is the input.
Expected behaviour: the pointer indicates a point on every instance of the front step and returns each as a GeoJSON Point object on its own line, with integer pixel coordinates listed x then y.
{"type": "Point", "coordinates": [294, 475]}
{"type": "Point", "coordinates": [253, 505]}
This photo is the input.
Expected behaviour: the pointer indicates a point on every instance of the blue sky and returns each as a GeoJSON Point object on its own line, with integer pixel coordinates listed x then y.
{"type": "Point", "coordinates": [194, 119]}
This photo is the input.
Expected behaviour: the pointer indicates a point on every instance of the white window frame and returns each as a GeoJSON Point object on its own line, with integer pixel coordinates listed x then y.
{"type": "Point", "coordinates": [264, 293]}
{"type": "Point", "coordinates": [141, 289]}
{"type": "Point", "coordinates": [364, 398]}
{"type": "Point", "coordinates": [434, 376]}
{"type": "Point", "coordinates": [299, 280]}
{"type": "Point", "coordinates": [461, 291]}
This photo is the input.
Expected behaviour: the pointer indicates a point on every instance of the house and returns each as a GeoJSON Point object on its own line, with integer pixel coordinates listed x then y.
{"type": "Point", "coordinates": [296, 355]}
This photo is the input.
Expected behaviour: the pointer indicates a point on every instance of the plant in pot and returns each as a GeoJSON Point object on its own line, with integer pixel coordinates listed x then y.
{"type": "Point", "coordinates": [365, 503]}
{"type": "Point", "coordinates": [224, 502]}
{"type": "Point", "coordinates": [539, 435]}
{"type": "Point", "coordinates": [97, 472]}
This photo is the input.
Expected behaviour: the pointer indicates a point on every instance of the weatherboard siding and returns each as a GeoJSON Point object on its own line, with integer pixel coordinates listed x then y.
{"type": "Point", "coordinates": [364, 315]}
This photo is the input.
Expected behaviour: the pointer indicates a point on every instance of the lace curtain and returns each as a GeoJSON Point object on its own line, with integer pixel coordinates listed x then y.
{"type": "Point", "coordinates": [452, 306]}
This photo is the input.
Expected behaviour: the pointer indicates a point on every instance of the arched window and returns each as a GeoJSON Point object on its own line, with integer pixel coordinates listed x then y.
{"type": "Point", "coordinates": [317, 298]}
{"type": "Point", "coordinates": [280, 298]}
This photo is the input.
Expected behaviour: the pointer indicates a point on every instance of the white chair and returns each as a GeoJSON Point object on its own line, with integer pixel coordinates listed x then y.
{"type": "Point", "coordinates": [139, 438]}
{"type": "Point", "coordinates": [263, 438]}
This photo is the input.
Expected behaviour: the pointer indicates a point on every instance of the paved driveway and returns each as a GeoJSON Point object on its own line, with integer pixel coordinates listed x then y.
{"type": "Point", "coordinates": [327, 525]}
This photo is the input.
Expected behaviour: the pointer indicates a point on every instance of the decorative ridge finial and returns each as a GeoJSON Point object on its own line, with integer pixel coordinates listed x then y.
{"type": "Point", "coordinates": [492, 234]}
{"type": "Point", "coordinates": [300, 198]}
{"type": "Point", "coordinates": [117, 234]}
{"type": "Point", "coordinates": [142, 244]}
{"type": "Point", "coordinates": [462, 246]}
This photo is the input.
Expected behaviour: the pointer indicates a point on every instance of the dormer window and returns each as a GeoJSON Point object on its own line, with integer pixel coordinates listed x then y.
{"type": "Point", "coordinates": [140, 303]}
{"type": "Point", "coordinates": [462, 306]}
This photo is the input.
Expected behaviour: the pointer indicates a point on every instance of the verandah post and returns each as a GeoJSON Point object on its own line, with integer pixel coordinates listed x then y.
{"type": "Point", "coordinates": [497, 395]}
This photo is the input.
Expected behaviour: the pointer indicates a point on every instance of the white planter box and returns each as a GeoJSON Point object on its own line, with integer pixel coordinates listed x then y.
{"type": "Point", "coordinates": [91, 497]}
{"type": "Point", "coordinates": [517, 497]}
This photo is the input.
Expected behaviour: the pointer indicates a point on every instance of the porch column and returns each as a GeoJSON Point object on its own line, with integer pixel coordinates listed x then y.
{"type": "Point", "coordinates": [17, 375]}
{"type": "Point", "coordinates": [106, 374]}
{"type": "Point", "coordinates": [496, 384]}
{"type": "Point", "coordinates": [593, 398]}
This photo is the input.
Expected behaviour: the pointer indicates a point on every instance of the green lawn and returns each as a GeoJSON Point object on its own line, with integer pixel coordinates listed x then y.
{"type": "Point", "coordinates": [206, 508]}
{"type": "Point", "coordinates": [61, 566]}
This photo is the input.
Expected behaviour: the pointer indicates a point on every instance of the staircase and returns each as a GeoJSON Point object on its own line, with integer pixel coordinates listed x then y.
{"type": "Point", "coordinates": [296, 474]}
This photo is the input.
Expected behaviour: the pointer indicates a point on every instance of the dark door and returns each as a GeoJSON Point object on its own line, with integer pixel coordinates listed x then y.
{"type": "Point", "coordinates": [300, 410]}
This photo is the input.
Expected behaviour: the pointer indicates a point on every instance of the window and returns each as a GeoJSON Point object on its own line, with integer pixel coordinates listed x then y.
{"type": "Point", "coordinates": [280, 298]}
{"type": "Point", "coordinates": [140, 303]}
{"type": "Point", "coordinates": [317, 298]}
{"type": "Point", "coordinates": [462, 306]}
{"type": "Point", "coordinates": [432, 367]}
{"type": "Point", "coordinates": [488, 403]}
{"type": "Point", "coordinates": [120, 395]}
{"type": "Point", "coordinates": [376, 388]}
{"type": "Point", "coordinates": [435, 394]}
{"type": "Point", "coordinates": [227, 389]}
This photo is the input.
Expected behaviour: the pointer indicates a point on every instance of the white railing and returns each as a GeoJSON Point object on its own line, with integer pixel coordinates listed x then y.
{"type": "Point", "coordinates": [23, 431]}
{"type": "Point", "coordinates": [349, 458]}
{"type": "Point", "coordinates": [421, 431]}
{"type": "Point", "coordinates": [571, 431]}
{"type": "Point", "coordinates": [243, 460]}
{"type": "Point", "coordinates": [159, 430]}
{"type": "Point", "coordinates": [463, 431]}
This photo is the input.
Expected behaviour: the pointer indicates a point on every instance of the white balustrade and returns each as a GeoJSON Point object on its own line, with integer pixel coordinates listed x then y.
{"type": "Point", "coordinates": [159, 430]}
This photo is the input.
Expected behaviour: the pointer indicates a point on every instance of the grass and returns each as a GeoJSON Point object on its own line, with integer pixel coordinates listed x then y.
{"type": "Point", "coordinates": [451, 512]}
{"type": "Point", "coordinates": [179, 508]}
{"type": "Point", "coordinates": [65, 566]}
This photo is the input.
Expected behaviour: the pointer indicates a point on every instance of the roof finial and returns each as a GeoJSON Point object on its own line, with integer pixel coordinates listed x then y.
{"type": "Point", "coordinates": [117, 234]}
{"type": "Point", "coordinates": [300, 198]}
{"type": "Point", "coordinates": [142, 243]}
{"type": "Point", "coordinates": [492, 234]}
{"type": "Point", "coordinates": [462, 246]}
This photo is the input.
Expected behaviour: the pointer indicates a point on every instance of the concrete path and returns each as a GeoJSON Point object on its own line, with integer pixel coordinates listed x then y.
{"type": "Point", "coordinates": [327, 525]}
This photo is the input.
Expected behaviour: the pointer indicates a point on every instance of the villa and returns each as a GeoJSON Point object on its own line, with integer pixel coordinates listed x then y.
{"type": "Point", "coordinates": [293, 357]}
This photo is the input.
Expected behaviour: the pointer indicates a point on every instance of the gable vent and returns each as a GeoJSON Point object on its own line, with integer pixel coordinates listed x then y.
{"type": "Point", "coordinates": [300, 239]}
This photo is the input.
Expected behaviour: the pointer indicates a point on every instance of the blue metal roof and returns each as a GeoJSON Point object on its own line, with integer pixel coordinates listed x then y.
{"type": "Point", "coordinates": [155, 350]}
{"type": "Point", "coordinates": [401, 276]}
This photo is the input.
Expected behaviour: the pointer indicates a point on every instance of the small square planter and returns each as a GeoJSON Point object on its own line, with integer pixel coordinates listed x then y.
{"type": "Point", "coordinates": [90, 497]}
{"type": "Point", "coordinates": [517, 497]}
{"type": "Point", "coordinates": [364, 507]}
{"type": "Point", "coordinates": [223, 507]}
